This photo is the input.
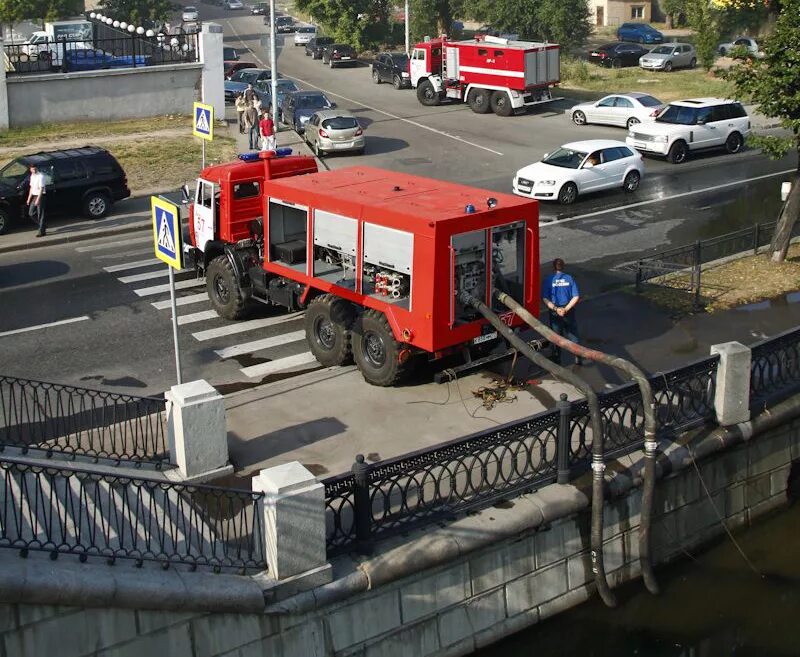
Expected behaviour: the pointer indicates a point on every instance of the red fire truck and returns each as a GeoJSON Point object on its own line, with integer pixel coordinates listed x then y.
{"type": "Point", "coordinates": [490, 73]}
{"type": "Point", "coordinates": [376, 258]}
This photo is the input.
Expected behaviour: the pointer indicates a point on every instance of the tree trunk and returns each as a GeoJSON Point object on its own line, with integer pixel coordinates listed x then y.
{"type": "Point", "coordinates": [783, 231]}
{"type": "Point", "coordinates": [669, 22]}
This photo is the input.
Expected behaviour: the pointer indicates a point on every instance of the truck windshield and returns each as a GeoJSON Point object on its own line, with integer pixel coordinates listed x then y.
{"type": "Point", "coordinates": [13, 172]}
{"type": "Point", "coordinates": [565, 158]}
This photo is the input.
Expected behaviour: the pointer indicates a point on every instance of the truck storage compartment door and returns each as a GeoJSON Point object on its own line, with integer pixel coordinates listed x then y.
{"type": "Point", "coordinates": [467, 274]}
{"type": "Point", "coordinates": [452, 63]}
{"type": "Point", "coordinates": [508, 262]}
{"type": "Point", "coordinates": [542, 66]}
{"type": "Point", "coordinates": [204, 213]}
{"type": "Point", "coordinates": [335, 242]}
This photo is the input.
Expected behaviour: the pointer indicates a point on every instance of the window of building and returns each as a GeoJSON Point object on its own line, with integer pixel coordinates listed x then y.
{"type": "Point", "coordinates": [637, 11]}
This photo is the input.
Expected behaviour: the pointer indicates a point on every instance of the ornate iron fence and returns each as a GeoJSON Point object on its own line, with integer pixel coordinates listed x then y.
{"type": "Point", "coordinates": [94, 515]}
{"type": "Point", "coordinates": [775, 368]}
{"type": "Point", "coordinates": [74, 421]}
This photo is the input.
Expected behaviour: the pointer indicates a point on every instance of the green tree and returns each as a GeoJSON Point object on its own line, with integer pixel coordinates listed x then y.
{"type": "Point", "coordinates": [704, 18]}
{"type": "Point", "coordinates": [139, 11]}
{"type": "Point", "coordinates": [773, 84]}
{"type": "Point", "coordinates": [673, 9]}
{"type": "Point", "coordinates": [357, 22]}
{"type": "Point", "coordinates": [432, 17]}
{"type": "Point", "coordinates": [14, 11]}
{"type": "Point", "coordinates": [565, 22]}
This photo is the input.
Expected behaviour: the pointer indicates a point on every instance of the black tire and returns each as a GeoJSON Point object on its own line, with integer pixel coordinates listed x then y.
{"type": "Point", "coordinates": [693, 63]}
{"type": "Point", "coordinates": [631, 182]}
{"type": "Point", "coordinates": [427, 95]}
{"type": "Point", "coordinates": [678, 152]}
{"type": "Point", "coordinates": [667, 67]}
{"type": "Point", "coordinates": [375, 350]}
{"type": "Point", "coordinates": [317, 150]}
{"type": "Point", "coordinates": [328, 320]}
{"type": "Point", "coordinates": [734, 143]}
{"type": "Point", "coordinates": [376, 77]}
{"type": "Point", "coordinates": [96, 205]}
{"type": "Point", "coordinates": [723, 52]}
{"type": "Point", "coordinates": [223, 289]}
{"type": "Point", "coordinates": [501, 104]}
{"type": "Point", "coordinates": [568, 193]}
{"type": "Point", "coordinates": [5, 222]}
{"type": "Point", "coordinates": [616, 63]}
{"type": "Point", "coordinates": [479, 101]}
{"type": "Point", "coordinates": [579, 118]}
{"type": "Point", "coordinates": [397, 82]}
{"type": "Point", "coordinates": [632, 122]}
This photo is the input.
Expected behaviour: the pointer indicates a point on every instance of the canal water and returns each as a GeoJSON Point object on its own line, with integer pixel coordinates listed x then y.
{"type": "Point", "coordinates": [712, 604]}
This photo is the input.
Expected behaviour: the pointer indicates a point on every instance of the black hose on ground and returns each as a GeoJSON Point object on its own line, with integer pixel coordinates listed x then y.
{"type": "Point", "coordinates": [598, 464]}
{"type": "Point", "coordinates": [648, 404]}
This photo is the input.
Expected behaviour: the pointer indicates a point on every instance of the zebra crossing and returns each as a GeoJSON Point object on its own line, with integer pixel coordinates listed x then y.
{"type": "Point", "coordinates": [272, 342]}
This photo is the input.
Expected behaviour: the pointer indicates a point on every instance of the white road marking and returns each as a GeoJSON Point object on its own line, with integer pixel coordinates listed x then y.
{"type": "Point", "coordinates": [127, 254]}
{"type": "Point", "coordinates": [116, 243]}
{"type": "Point", "coordinates": [43, 326]}
{"type": "Point", "coordinates": [278, 365]}
{"type": "Point", "coordinates": [158, 289]}
{"type": "Point", "coordinates": [258, 345]}
{"type": "Point", "coordinates": [241, 327]}
{"type": "Point", "coordinates": [131, 265]}
{"type": "Point", "coordinates": [181, 301]}
{"type": "Point", "coordinates": [191, 318]}
{"type": "Point", "coordinates": [146, 276]}
{"type": "Point", "coordinates": [372, 109]}
{"type": "Point", "coordinates": [694, 192]}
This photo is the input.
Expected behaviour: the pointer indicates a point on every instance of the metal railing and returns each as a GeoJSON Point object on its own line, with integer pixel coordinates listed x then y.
{"type": "Point", "coordinates": [66, 420]}
{"type": "Point", "coordinates": [94, 515]}
{"type": "Point", "coordinates": [124, 51]}
{"type": "Point", "coordinates": [774, 368]}
{"type": "Point", "coordinates": [433, 484]}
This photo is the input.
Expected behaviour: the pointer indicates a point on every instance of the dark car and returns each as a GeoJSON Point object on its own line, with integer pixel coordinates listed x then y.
{"type": "Point", "coordinates": [229, 54]}
{"type": "Point", "coordinates": [391, 67]}
{"type": "Point", "coordinates": [259, 9]}
{"type": "Point", "coordinates": [298, 107]}
{"type": "Point", "coordinates": [316, 45]}
{"type": "Point", "coordinates": [87, 180]}
{"type": "Point", "coordinates": [617, 55]}
{"type": "Point", "coordinates": [339, 54]}
{"type": "Point", "coordinates": [233, 67]}
{"type": "Point", "coordinates": [239, 81]}
{"type": "Point", "coordinates": [283, 24]}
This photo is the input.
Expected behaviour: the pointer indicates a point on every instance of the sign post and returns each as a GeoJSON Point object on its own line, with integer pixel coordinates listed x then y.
{"type": "Point", "coordinates": [167, 239]}
{"type": "Point", "coordinates": [203, 125]}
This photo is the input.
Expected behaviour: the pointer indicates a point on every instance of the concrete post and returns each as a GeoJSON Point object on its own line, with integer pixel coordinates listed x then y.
{"type": "Point", "coordinates": [211, 56]}
{"type": "Point", "coordinates": [198, 440]}
{"type": "Point", "coordinates": [3, 94]}
{"type": "Point", "coordinates": [294, 519]}
{"type": "Point", "coordinates": [732, 394]}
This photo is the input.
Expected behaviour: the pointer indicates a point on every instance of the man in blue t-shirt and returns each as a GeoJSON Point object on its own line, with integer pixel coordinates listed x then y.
{"type": "Point", "coordinates": [560, 295]}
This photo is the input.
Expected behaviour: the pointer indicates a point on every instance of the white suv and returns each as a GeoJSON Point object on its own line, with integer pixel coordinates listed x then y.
{"type": "Point", "coordinates": [692, 125]}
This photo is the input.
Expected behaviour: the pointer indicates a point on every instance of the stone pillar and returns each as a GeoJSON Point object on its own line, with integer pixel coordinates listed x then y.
{"type": "Point", "coordinates": [3, 94]}
{"type": "Point", "coordinates": [294, 519]}
{"type": "Point", "coordinates": [213, 82]}
{"type": "Point", "coordinates": [732, 394]}
{"type": "Point", "coordinates": [198, 438]}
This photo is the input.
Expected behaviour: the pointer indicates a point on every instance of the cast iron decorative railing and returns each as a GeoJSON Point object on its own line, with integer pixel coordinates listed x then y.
{"type": "Point", "coordinates": [91, 515]}
{"type": "Point", "coordinates": [775, 368]}
{"type": "Point", "coordinates": [433, 484]}
{"type": "Point", "coordinates": [61, 419]}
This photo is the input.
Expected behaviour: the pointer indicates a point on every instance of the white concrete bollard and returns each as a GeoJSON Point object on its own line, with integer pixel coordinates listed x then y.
{"type": "Point", "coordinates": [294, 519]}
{"type": "Point", "coordinates": [732, 394]}
{"type": "Point", "coordinates": [198, 438]}
{"type": "Point", "coordinates": [213, 81]}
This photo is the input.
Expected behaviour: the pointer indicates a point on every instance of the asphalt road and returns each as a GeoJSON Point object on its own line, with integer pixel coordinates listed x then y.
{"type": "Point", "coordinates": [117, 331]}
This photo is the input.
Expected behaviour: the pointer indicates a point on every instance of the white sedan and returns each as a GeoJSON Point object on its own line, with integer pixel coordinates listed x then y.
{"type": "Point", "coordinates": [624, 110]}
{"type": "Point", "coordinates": [189, 14]}
{"type": "Point", "coordinates": [578, 168]}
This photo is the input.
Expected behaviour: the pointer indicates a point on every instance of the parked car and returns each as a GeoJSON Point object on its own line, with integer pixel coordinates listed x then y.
{"type": "Point", "coordinates": [283, 24]}
{"type": "Point", "coordinates": [625, 110]}
{"type": "Point", "coordinates": [229, 54]}
{"type": "Point", "coordinates": [315, 46]}
{"type": "Point", "coordinates": [578, 168]}
{"type": "Point", "coordinates": [190, 14]}
{"type": "Point", "coordinates": [391, 67]}
{"type": "Point", "coordinates": [233, 4]}
{"type": "Point", "coordinates": [334, 130]}
{"type": "Point", "coordinates": [233, 67]}
{"type": "Point", "coordinates": [617, 55]}
{"type": "Point", "coordinates": [297, 108]}
{"type": "Point", "coordinates": [488, 30]}
{"type": "Point", "coordinates": [669, 56]}
{"type": "Point", "coordinates": [239, 81]}
{"type": "Point", "coordinates": [263, 89]}
{"type": "Point", "coordinates": [259, 9]}
{"type": "Point", "coordinates": [692, 125]}
{"type": "Point", "coordinates": [303, 34]}
{"type": "Point", "coordinates": [339, 54]}
{"type": "Point", "coordinates": [87, 180]}
{"type": "Point", "coordinates": [640, 32]}
{"type": "Point", "coordinates": [748, 43]}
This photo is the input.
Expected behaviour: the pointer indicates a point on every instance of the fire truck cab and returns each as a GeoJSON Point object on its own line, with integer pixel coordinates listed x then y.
{"type": "Point", "coordinates": [489, 73]}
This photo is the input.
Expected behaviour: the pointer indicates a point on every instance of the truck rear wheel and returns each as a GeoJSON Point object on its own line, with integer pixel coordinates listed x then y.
{"type": "Point", "coordinates": [223, 289]}
{"type": "Point", "coordinates": [375, 350]}
{"type": "Point", "coordinates": [501, 104]}
{"type": "Point", "coordinates": [328, 320]}
{"type": "Point", "coordinates": [427, 95]}
{"type": "Point", "coordinates": [479, 101]}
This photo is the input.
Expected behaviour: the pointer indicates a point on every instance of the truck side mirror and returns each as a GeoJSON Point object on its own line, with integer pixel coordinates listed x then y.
{"type": "Point", "coordinates": [185, 196]}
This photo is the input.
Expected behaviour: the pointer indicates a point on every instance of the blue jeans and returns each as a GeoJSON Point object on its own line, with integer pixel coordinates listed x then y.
{"type": "Point", "coordinates": [566, 327]}
{"type": "Point", "coordinates": [253, 137]}
{"type": "Point", "coordinates": [36, 213]}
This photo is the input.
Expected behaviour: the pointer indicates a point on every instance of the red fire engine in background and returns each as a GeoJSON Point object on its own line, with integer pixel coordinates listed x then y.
{"type": "Point", "coordinates": [489, 73]}
{"type": "Point", "coordinates": [376, 258]}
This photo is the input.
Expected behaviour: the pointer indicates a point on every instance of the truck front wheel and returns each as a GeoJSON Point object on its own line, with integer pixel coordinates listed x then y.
{"type": "Point", "coordinates": [223, 289]}
{"type": "Point", "coordinates": [479, 101]}
{"type": "Point", "coordinates": [427, 95]}
{"type": "Point", "coordinates": [328, 320]}
{"type": "Point", "coordinates": [375, 350]}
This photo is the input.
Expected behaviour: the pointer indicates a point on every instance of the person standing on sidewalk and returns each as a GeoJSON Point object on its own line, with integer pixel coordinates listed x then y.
{"type": "Point", "coordinates": [560, 295]}
{"type": "Point", "coordinates": [241, 106]}
{"type": "Point", "coordinates": [35, 202]}
{"type": "Point", "coordinates": [251, 119]}
{"type": "Point", "coordinates": [267, 129]}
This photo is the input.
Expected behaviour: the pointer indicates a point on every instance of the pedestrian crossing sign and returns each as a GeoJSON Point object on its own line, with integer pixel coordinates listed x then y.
{"type": "Point", "coordinates": [203, 121]}
{"type": "Point", "coordinates": [167, 231]}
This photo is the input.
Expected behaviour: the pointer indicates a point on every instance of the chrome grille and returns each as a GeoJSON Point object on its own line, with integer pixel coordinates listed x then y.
{"type": "Point", "coordinates": [638, 136]}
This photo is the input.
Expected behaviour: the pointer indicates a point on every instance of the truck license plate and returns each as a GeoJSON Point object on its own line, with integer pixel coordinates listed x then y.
{"type": "Point", "coordinates": [485, 338]}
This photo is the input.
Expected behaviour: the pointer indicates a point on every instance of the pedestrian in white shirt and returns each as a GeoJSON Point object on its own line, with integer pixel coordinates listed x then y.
{"type": "Point", "coordinates": [36, 192]}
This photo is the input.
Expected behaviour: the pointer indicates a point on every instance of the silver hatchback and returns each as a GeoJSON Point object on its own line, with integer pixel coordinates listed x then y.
{"type": "Point", "coordinates": [334, 130]}
{"type": "Point", "coordinates": [668, 56]}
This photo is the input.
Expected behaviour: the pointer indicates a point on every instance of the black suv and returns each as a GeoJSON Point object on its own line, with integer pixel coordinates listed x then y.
{"type": "Point", "coordinates": [316, 46]}
{"type": "Point", "coordinates": [86, 180]}
{"type": "Point", "coordinates": [391, 67]}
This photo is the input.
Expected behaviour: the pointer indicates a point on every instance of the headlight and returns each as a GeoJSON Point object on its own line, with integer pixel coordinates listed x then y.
{"type": "Point", "coordinates": [547, 183]}
{"type": "Point", "coordinates": [661, 138]}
